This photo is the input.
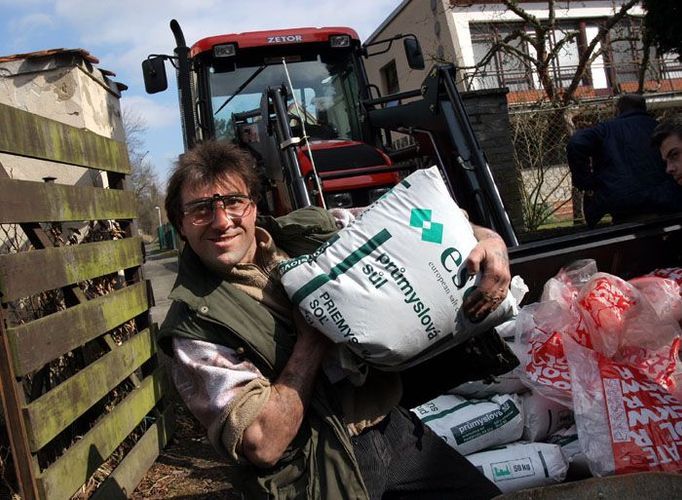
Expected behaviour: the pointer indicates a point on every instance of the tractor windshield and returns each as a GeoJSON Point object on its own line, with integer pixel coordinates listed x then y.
{"type": "Point", "coordinates": [324, 94]}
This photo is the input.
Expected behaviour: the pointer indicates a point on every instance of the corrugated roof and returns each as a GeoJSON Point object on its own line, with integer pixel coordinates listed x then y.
{"type": "Point", "coordinates": [51, 52]}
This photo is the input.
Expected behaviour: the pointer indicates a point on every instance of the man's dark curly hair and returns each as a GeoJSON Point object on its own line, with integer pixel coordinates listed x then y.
{"type": "Point", "coordinates": [669, 126]}
{"type": "Point", "coordinates": [205, 164]}
{"type": "Point", "coordinates": [630, 102]}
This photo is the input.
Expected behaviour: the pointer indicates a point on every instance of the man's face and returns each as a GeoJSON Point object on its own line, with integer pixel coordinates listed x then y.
{"type": "Point", "coordinates": [225, 241]}
{"type": "Point", "coordinates": [671, 152]}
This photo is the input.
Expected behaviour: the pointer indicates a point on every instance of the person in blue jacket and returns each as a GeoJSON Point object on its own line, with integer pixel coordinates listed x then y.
{"type": "Point", "coordinates": [618, 168]}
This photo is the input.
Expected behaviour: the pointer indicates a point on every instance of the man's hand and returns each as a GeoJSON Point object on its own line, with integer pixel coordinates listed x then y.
{"type": "Point", "coordinates": [490, 257]}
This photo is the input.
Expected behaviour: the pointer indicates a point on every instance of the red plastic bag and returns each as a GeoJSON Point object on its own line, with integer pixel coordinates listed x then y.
{"type": "Point", "coordinates": [661, 366]}
{"type": "Point", "coordinates": [626, 421]}
{"type": "Point", "coordinates": [631, 323]}
{"type": "Point", "coordinates": [663, 293]}
{"type": "Point", "coordinates": [544, 368]}
{"type": "Point", "coordinates": [671, 273]}
{"type": "Point", "coordinates": [542, 326]}
{"type": "Point", "coordinates": [618, 315]}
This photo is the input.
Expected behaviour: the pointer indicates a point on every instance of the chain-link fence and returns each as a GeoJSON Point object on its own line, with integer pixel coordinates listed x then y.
{"type": "Point", "coordinates": [540, 135]}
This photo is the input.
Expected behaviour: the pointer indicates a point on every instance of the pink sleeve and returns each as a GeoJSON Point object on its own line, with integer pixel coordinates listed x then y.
{"type": "Point", "coordinates": [208, 377]}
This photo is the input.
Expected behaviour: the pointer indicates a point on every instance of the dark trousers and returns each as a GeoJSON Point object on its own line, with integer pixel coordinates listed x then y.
{"type": "Point", "coordinates": [401, 458]}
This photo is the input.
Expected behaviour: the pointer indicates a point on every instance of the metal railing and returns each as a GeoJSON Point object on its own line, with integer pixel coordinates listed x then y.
{"type": "Point", "coordinates": [602, 78]}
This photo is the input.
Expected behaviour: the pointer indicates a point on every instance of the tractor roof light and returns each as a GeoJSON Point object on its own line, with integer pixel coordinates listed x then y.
{"type": "Point", "coordinates": [339, 41]}
{"type": "Point", "coordinates": [225, 50]}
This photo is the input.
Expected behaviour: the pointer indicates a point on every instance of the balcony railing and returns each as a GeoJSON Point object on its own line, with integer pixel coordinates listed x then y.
{"type": "Point", "coordinates": [663, 75]}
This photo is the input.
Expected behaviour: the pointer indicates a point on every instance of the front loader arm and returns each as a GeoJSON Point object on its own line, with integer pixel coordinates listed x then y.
{"type": "Point", "coordinates": [439, 112]}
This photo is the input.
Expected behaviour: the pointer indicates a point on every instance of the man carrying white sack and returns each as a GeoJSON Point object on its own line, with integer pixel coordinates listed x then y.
{"type": "Point", "coordinates": [247, 365]}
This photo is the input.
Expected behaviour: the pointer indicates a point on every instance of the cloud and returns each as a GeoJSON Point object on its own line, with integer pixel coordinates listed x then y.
{"type": "Point", "coordinates": [142, 27]}
{"type": "Point", "coordinates": [33, 22]}
{"type": "Point", "coordinates": [25, 32]}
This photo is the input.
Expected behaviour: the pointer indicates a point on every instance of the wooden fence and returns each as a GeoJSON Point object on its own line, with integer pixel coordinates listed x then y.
{"type": "Point", "coordinates": [84, 397]}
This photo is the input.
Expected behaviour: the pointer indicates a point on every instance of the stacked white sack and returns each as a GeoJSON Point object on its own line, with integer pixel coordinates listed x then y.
{"type": "Point", "coordinates": [578, 465]}
{"type": "Point", "coordinates": [543, 417]}
{"type": "Point", "coordinates": [391, 284]}
{"type": "Point", "coordinates": [522, 465]}
{"type": "Point", "coordinates": [507, 383]}
{"type": "Point", "coordinates": [473, 425]}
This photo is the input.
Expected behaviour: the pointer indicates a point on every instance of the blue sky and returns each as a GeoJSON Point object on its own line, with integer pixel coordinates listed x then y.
{"type": "Point", "coordinates": [122, 33]}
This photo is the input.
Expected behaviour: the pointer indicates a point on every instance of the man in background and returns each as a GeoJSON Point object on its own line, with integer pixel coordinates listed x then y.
{"type": "Point", "coordinates": [618, 169]}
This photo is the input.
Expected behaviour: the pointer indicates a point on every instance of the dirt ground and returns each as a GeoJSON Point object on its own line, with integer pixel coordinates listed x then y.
{"type": "Point", "coordinates": [188, 468]}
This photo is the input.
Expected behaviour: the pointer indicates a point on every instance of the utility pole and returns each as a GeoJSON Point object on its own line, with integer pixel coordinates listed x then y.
{"type": "Point", "coordinates": [159, 231]}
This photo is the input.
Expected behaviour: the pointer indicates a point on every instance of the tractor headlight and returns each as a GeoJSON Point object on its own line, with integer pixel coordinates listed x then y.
{"type": "Point", "coordinates": [339, 41]}
{"type": "Point", "coordinates": [225, 50]}
{"type": "Point", "coordinates": [375, 194]}
{"type": "Point", "coordinates": [339, 200]}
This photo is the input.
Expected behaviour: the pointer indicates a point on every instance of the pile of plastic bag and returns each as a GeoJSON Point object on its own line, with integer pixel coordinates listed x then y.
{"type": "Point", "coordinates": [610, 349]}
{"type": "Point", "coordinates": [598, 389]}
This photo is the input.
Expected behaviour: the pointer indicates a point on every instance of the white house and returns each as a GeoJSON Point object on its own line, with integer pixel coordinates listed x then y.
{"type": "Point", "coordinates": [463, 31]}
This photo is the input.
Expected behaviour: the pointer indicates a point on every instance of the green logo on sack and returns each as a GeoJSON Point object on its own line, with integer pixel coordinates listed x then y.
{"type": "Point", "coordinates": [501, 472]}
{"type": "Point", "coordinates": [431, 231]}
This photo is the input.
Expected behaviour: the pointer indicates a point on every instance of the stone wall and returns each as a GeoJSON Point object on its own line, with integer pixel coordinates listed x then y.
{"type": "Point", "coordinates": [64, 85]}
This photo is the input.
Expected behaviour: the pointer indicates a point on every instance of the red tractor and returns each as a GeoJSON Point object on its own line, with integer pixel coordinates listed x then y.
{"type": "Point", "coordinates": [300, 100]}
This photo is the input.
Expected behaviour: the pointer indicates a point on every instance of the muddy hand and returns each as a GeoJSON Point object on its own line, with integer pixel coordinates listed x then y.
{"type": "Point", "coordinates": [489, 256]}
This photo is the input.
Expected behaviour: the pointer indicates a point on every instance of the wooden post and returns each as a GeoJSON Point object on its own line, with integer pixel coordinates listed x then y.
{"type": "Point", "coordinates": [11, 404]}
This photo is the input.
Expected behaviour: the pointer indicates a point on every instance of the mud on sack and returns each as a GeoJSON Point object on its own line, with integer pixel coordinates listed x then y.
{"type": "Point", "coordinates": [391, 284]}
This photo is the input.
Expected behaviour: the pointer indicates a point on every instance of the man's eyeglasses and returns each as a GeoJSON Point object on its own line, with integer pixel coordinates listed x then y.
{"type": "Point", "coordinates": [202, 211]}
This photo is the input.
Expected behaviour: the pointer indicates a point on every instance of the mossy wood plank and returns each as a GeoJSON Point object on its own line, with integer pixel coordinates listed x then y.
{"type": "Point", "coordinates": [39, 342]}
{"type": "Point", "coordinates": [122, 482]}
{"type": "Point", "coordinates": [27, 201]}
{"type": "Point", "coordinates": [26, 134]}
{"type": "Point", "coordinates": [79, 462]}
{"type": "Point", "coordinates": [27, 273]}
{"type": "Point", "coordinates": [48, 415]}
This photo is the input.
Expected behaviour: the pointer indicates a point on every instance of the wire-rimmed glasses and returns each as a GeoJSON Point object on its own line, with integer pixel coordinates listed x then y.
{"type": "Point", "coordinates": [202, 211]}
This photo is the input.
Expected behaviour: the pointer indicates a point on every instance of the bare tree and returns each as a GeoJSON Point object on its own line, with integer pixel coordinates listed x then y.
{"type": "Point", "coordinates": [547, 40]}
{"type": "Point", "coordinates": [144, 181]}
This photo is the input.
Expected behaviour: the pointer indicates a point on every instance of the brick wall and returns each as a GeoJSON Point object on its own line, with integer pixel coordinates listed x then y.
{"type": "Point", "coordinates": [489, 116]}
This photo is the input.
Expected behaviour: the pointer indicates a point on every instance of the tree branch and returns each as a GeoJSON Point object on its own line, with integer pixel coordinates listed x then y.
{"type": "Point", "coordinates": [513, 5]}
{"type": "Point", "coordinates": [644, 63]}
{"type": "Point", "coordinates": [552, 14]}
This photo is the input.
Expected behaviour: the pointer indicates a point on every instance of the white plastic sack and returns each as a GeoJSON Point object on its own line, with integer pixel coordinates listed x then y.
{"type": "Point", "coordinates": [391, 284]}
{"type": "Point", "coordinates": [570, 446]}
{"type": "Point", "coordinates": [522, 465]}
{"type": "Point", "coordinates": [543, 416]}
{"type": "Point", "coordinates": [507, 383]}
{"type": "Point", "coordinates": [472, 425]}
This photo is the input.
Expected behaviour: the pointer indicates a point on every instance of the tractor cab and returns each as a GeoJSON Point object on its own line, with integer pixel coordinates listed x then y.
{"type": "Point", "coordinates": [319, 76]}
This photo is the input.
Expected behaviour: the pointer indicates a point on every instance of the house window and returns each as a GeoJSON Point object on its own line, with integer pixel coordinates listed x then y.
{"type": "Point", "coordinates": [389, 78]}
{"type": "Point", "coordinates": [501, 70]}
{"type": "Point", "coordinates": [625, 52]}
{"type": "Point", "coordinates": [506, 69]}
